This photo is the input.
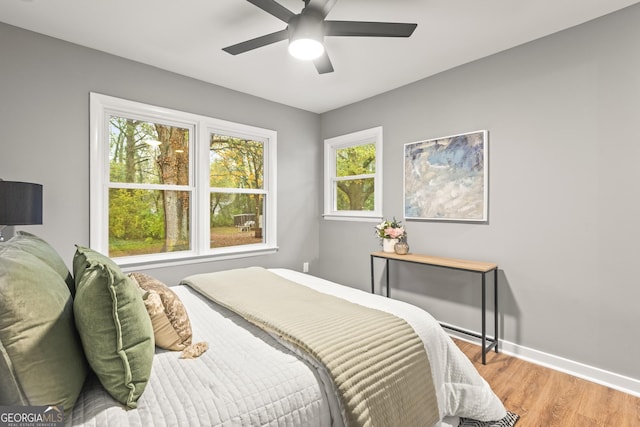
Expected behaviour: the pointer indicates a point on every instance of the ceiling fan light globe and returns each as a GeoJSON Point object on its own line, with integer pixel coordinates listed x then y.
{"type": "Point", "coordinates": [306, 49]}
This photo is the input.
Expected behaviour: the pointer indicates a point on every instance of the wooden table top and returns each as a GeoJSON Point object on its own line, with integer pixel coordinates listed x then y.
{"type": "Point", "coordinates": [462, 264]}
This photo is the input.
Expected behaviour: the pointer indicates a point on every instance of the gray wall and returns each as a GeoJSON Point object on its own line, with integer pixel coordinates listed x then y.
{"type": "Point", "coordinates": [562, 114]}
{"type": "Point", "coordinates": [44, 138]}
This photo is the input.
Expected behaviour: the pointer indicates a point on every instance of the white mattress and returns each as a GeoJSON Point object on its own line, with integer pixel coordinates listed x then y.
{"type": "Point", "coordinates": [247, 378]}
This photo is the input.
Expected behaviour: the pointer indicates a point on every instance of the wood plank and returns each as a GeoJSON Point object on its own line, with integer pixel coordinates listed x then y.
{"type": "Point", "coordinates": [544, 397]}
{"type": "Point", "coordinates": [462, 264]}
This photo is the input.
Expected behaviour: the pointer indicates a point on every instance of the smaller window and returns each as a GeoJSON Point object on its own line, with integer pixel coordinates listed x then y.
{"type": "Point", "coordinates": [353, 175]}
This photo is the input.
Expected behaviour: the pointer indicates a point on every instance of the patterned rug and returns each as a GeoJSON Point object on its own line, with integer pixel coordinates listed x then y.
{"type": "Point", "coordinates": [509, 421]}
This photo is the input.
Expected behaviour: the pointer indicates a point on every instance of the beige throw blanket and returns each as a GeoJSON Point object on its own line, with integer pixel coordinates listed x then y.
{"type": "Point", "coordinates": [378, 364]}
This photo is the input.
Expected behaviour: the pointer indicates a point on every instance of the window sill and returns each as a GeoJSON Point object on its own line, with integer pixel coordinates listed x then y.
{"type": "Point", "coordinates": [361, 218]}
{"type": "Point", "coordinates": [129, 265]}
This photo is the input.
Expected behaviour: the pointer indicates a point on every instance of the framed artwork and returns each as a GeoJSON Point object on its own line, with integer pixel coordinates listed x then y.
{"type": "Point", "coordinates": [447, 178]}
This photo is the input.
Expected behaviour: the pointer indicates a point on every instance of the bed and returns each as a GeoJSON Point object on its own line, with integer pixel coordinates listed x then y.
{"type": "Point", "coordinates": [249, 376]}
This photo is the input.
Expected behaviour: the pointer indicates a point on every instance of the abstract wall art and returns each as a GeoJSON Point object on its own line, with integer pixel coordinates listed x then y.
{"type": "Point", "coordinates": [447, 178]}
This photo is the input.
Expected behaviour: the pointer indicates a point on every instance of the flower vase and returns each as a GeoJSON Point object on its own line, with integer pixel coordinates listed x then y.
{"type": "Point", "coordinates": [389, 245]}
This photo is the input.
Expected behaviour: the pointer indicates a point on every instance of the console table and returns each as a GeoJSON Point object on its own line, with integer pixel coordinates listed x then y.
{"type": "Point", "coordinates": [483, 268]}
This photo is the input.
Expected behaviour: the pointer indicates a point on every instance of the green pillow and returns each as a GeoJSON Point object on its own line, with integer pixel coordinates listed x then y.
{"type": "Point", "coordinates": [44, 251]}
{"type": "Point", "coordinates": [114, 326]}
{"type": "Point", "coordinates": [41, 359]}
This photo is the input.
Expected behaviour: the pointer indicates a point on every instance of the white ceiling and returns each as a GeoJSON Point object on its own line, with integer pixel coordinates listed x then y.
{"type": "Point", "coordinates": [187, 36]}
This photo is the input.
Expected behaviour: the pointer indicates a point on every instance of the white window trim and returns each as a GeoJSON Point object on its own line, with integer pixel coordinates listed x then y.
{"type": "Point", "coordinates": [367, 136]}
{"type": "Point", "coordinates": [201, 127]}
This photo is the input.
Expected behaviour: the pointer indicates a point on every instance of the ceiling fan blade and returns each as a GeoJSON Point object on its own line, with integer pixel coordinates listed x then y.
{"type": "Point", "coordinates": [257, 42]}
{"type": "Point", "coordinates": [322, 6]}
{"type": "Point", "coordinates": [323, 64]}
{"type": "Point", "coordinates": [273, 8]}
{"type": "Point", "coordinates": [368, 29]}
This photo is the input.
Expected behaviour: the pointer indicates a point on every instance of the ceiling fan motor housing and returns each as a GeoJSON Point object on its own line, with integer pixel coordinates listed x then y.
{"type": "Point", "coordinates": [308, 25]}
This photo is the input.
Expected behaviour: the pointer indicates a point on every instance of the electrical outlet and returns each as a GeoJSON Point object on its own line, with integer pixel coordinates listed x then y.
{"type": "Point", "coordinates": [305, 267]}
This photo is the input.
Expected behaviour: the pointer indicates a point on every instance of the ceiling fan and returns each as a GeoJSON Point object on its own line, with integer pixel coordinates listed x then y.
{"type": "Point", "coordinates": [306, 31]}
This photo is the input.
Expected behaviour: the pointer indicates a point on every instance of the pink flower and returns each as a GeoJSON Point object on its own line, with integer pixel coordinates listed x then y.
{"type": "Point", "coordinates": [394, 233]}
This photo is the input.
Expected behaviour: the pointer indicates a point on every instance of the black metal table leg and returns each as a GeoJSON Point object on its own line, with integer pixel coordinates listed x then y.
{"type": "Point", "coordinates": [387, 268]}
{"type": "Point", "coordinates": [484, 320]}
{"type": "Point", "coordinates": [372, 288]}
{"type": "Point", "coordinates": [495, 307]}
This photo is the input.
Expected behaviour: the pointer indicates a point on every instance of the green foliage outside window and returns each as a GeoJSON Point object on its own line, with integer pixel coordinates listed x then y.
{"type": "Point", "coordinates": [355, 194]}
{"type": "Point", "coordinates": [236, 177]}
{"type": "Point", "coordinates": [145, 220]}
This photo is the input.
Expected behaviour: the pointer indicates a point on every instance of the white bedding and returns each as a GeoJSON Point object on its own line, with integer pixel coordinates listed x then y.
{"type": "Point", "coordinates": [247, 378]}
{"type": "Point", "coordinates": [461, 391]}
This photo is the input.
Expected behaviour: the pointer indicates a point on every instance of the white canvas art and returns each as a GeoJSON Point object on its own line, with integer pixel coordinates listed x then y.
{"type": "Point", "coordinates": [447, 178]}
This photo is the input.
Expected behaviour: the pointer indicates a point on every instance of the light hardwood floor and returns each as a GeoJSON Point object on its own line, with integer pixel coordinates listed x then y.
{"type": "Point", "coordinates": [547, 398]}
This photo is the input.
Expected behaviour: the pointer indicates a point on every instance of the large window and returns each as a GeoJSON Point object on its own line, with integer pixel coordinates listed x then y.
{"type": "Point", "coordinates": [353, 175]}
{"type": "Point", "coordinates": [168, 185]}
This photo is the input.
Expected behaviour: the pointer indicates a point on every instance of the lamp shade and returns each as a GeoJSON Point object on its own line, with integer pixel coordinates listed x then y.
{"type": "Point", "coordinates": [20, 203]}
{"type": "Point", "coordinates": [306, 49]}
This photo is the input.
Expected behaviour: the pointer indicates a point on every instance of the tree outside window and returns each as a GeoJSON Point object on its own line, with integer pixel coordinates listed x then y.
{"type": "Point", "coordinates": [236, 181]}
{"type": "Point", "coordinates": [145, 216]}
{"type": "Point", "coordinates": [355, 194]}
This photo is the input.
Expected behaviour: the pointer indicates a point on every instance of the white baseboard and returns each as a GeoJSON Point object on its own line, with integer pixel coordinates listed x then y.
{"type": "Point", "coordinates": [596, 375]}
